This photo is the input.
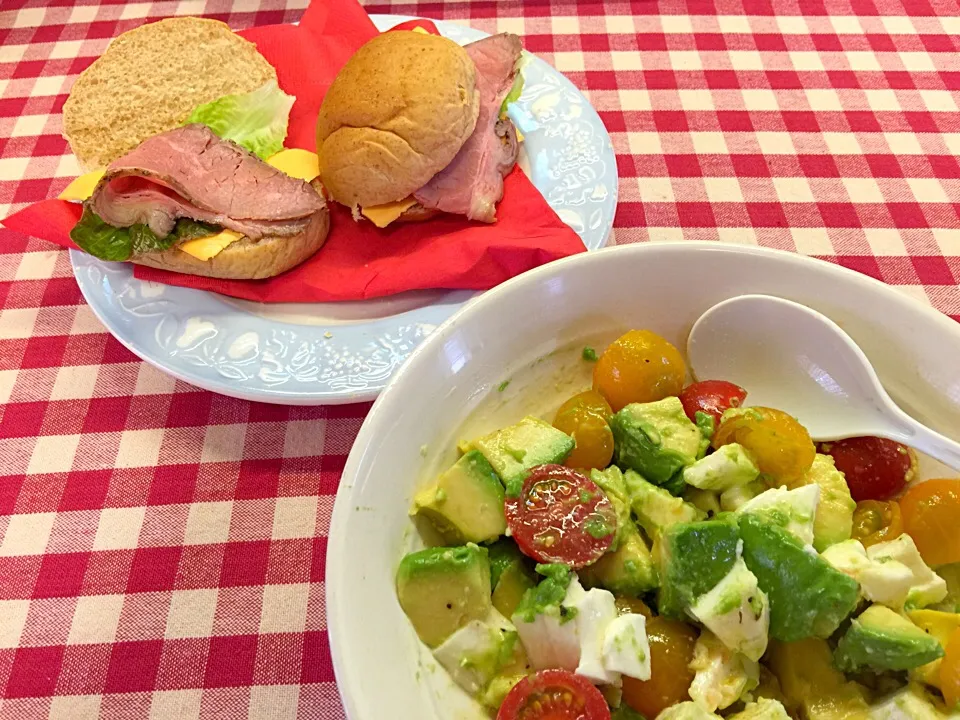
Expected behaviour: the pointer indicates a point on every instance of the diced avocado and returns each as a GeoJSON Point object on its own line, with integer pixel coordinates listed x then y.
{"type": "Point", "coordinates": [442, 589]}
{"type": "Point", "coordinates": [516, 449]}
{"type": "Point", "coordinates": [614, 486]}
{"type": "Point", "coordinates": [834, 520]}
{"type": "Point", "coordinates": [880, 639]}
{"type": "Point", "coordinates": [722, 676]}
{"type": "Point", "coordinates": [730, 466]}
{"type": "Point", "coordinates": [939, 625]}
{"type": "Point", "coordinates": [629, 570]}
{"type": "Point", "coordinates": [762, 709]}
{"type": "Point", "coordinates": [655, 439]}
{"type": "Point", "coordinates": [737, 611]}
{"type": "Point", "coordinates": [475, 653]}
{"type": "Point", "coordinates": [465, 503]}
{"type": "Point", "coordinates": [688, 710]}
{"type": "Point", "coordinates": [512, 585]}
{"type": "Point", "coordinates": [910, 703]}
{"type": "Point", "coordinates": [694, 557]}
{"type": "Point", "coordinates": [625, 713]}
{"type": "Point", "coordinates": [812, 686]}
{"type": "Point", "coordinates": [793, 510]}
{"type": "Point", "coordinates": [808, 597]}
{"type": "Point", "coordinates": [706, 501]}
{"type": "Point", "coordinates": [733, 498]}
{"type": "Point", "coordinates": [655, 508]}
{"type": "Point", "coordinates": [927, 587]}
{"type": "Point", "coordinates": [951, 575]}
{"type": "Point", "coordinates": [499, 688]}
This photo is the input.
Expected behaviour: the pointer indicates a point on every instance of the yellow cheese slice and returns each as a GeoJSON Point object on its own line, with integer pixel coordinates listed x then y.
{"type": "Point", "coordinates": [301, 164]}
{"type": "Point", "coordinates": [82, 188]}
{"type": "Point", "coordinates": [207, 247]}
{"type": "Point", "coordinates": [383, 215]}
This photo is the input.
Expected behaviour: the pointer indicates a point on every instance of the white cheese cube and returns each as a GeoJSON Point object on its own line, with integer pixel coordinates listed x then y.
{"type": "Point", "coordinates": [927, 587]}
{"type": "Point", "coordinates": [474, 654]}
{"type": "Point", "coordinates": [723, 676]}
{"type": "Point", "coordinates": [737, 611]}
{"type": "Point", "coordinates": [730, 466]}
{"type": "Point", "coordinates": [551, 639]}
{"type": "Point", "coordinates": [595, 611]}
{"type": "Point", "coordinates": [626, 648]}
{"type": "Point", "coordinates": [793, 510]}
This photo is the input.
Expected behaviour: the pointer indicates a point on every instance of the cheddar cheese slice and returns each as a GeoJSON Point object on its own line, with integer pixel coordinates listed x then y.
{"type": "Point", "coordinates": [383, 215]}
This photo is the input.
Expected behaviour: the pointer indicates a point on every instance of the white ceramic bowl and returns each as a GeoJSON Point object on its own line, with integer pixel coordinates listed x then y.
{"type": "Point", "coordinates": [531, 331]}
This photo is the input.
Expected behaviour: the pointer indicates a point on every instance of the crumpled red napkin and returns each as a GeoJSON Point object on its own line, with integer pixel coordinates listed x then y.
{"type": "Point", "coordinates": [358, 260]}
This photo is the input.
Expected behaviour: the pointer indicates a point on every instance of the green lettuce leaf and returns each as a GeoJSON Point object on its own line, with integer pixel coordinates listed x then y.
{"type": "Point", "coordinates": [514, 93]}
{"type": "Point", "coordinates": [256, 120]}
{"type": "Point", "coordinates": [94, 236]}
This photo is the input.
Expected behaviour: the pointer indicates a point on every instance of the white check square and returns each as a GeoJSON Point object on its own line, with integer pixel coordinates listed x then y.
{"type": "Point", "coordinates": [119, 528]}
{"type": "Point", "coordinates": [95, 619]}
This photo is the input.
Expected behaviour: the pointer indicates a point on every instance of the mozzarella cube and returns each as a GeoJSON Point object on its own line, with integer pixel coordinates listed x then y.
{"type": "Point", "coordinates": [551, 639]}
{"type": "Point", "coordinates": [626, 648]}
{"type": "Point", "coordinates": [793, 510]}
{"type": "Point", "coordinates": [475, 653]}
{"type": "Point", "coordinates": [723, 676]}
{"type": "Point", "coordinates": [737, 611]}
{"type": "Point", "coordinates": [730, 466]}
{"type": "Point", "coordinates": [595, 611]}
{"type": "Point", "coordinates": [927, 587]}
{"type": "Point", "coordinates": [910, 703]}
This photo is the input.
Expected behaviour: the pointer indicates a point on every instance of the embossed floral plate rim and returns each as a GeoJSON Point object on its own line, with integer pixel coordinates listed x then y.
{"type": "Point", "coordinates": [218, 344]}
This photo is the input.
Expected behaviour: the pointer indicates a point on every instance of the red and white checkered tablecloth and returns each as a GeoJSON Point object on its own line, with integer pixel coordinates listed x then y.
{"type": "Point", "coordinates": [162, 548]}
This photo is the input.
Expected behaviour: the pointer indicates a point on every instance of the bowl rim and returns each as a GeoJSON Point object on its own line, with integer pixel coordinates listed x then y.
{"type": "Point", "coordinates": [337, 563]}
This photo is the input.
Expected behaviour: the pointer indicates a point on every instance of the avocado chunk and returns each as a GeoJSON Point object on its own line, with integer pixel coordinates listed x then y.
{"type": "Point", "coordinates": [808, 597]}
{"type": "Point", "coordinates": [880, 639]}
{"type": "Point", "coordinates": [762, 709]}
{"type": "Point", "coordinates": [812, 686]}
{"type": "Point", "coordinates": [834, 519]}
{"type": "Point", "coordinates": [625, 713]}
{"type": "Point", "coordinates": [655, 508]}
{"type": "Point", "coordinates": [511, 575]}
{"type": "Point", "coordinates": [516, 449]}
{"type": "Point", "coordinates": [733, 498]}
{"type": "Point", "coordinates": [694, 558]}
{"type": "Point", "coordinates": [730, 466]}
{"type": "Point", "coordinates": [442, 589]}
{"type": "Point", "coordinates": [628, 570]}
{"type": "Point", "coordinates": [465, 503]}
{"type": "Point", "coordinates": [910, 702]}
{"type": "Point", "coordinates": [656, 439]}
{"type": "Point", "coordinates": [951, 576]}
{"type": "Point", "coordinates": [612, 482]}
{"type": "Point", "coordinates": [706, 501]}
{"type": "Point", "coordinates": [686, 711]}
{"type": "Point", "coordinates": [737, 611]}
{"type": "Point", "coordinates": [793, 510]}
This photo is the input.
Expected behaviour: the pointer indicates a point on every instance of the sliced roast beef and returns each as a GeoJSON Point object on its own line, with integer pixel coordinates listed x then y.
{"type": "Point", "coordinates": [472, 183]}
{"type": "Point", "coordinates": [190, 172]}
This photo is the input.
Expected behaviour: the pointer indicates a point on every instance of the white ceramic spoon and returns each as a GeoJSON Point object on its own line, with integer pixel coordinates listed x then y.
{"type": "Point", "coordinates": [790, 357]}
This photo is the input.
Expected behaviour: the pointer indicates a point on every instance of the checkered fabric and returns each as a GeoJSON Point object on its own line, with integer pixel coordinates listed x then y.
{"type": "Point", "coordinates": [162, 549]}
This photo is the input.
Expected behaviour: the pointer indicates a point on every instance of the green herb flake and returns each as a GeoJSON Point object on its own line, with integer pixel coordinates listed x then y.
{"type": "Point", "coordinates": [503, 386]}
{"type": "Point", "coordinates": [589, 354]}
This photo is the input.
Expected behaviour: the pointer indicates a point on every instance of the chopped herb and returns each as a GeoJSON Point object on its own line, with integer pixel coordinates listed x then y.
{"type": "Point", "coordinates": [589, 354]}
{"type": "Point", "coordinates": [503, 386]}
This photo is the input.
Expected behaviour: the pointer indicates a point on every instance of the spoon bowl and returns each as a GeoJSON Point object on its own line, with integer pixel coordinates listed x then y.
{"type": "Point", "coordinates": [793, 358]}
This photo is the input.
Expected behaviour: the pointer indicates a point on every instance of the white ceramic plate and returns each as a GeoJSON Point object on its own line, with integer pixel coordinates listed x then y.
{"type": "Point", "coordinates": [531, 332]}
{"type": "Point", "coordinates": [331, 353]}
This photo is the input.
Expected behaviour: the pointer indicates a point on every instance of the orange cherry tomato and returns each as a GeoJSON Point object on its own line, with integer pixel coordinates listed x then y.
{"type": "Point", "coordinates": [931, 515]}
{"type": "Point", "coordinates": [671, 650]}
{"type": "Point", "coordinates": [950, 671]}
{"type": "Point", "coordinates": [876, 521]}
{"type": "Point", "coordinates": [781, 446]}
{"type": "Point", "coordinates": [626, 605]}
{"type": "Point", "coordinates": [584, 418]}
{"type": "Point", "coordinates": [639, 366]}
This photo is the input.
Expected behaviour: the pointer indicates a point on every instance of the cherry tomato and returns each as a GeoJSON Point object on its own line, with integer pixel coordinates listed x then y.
{"type": "Point", "coordinates": [950, 671]}
{"type": "Point", "coordinates": [584, 418]}
{"type": "Point", "coordinates": [561, 516]}
{"type": "Point", "coordinates": [876, 521]}
{"type": "Point", "coordinates": [671, 650]}
{"type": "Point", "coordinates": [875, 468]}
{"type": "Point", "coordinates": [931, 515]}
{"type": "Point", "coordinates": [554, 695]}
{"type": "Point", "coordinates": [639, 366]}
{"type": "Point", "coordinates": [627, 605]}
{"type": "Point", "coordinates": [781, 446]}
{"type": "Point", "coordinates": [712, 397]}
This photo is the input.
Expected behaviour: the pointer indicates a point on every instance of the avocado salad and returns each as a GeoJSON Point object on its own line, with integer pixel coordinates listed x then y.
{"type": "Point", "coordinates": [663, 550]}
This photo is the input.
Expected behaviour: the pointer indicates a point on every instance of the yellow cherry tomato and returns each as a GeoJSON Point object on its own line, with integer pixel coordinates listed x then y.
{"type": "Point", "coordinates": [639, 366]}
{"type": "Point", "coordinates": [950, 671]}
{"type": "Point", "coordinates": [671, 651]}
{"type": "Point", "coordinates": [931, 514]}
{"type": "Point", "coordinates": [876, 521]}
{"type": "Point", "coordinates": [584, 418]}
{"type": "Point", "coordinates": [781, 446]}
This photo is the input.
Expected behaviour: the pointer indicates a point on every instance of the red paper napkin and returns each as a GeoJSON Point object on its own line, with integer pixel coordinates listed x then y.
{"type": "Point", "coordinates": [358, 260]}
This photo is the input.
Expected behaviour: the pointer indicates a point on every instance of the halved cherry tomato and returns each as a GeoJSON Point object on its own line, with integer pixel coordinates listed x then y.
{"type": "Point", "coordinates": [584, 418]}
{"type": "Point", "coordinates": [875, 468]}
{"type": "Point", "coordinates": [671, 650]}
{"type": "Point", "coordinates": [712, 397]}
{"type": "Point", "coordinates": [554, 695]}
{"type": "Point", "coordinates": [931, 515]}
{"type": "Point", "coordinates": [639, 366]}
{"type": "Point", "coordinates": [561, 516]}
{"type": "Point", "coordinates": [950, 671]}
{"type": "Point", "coordinates": [781, 446]}
{"type": "Point", "coordinates": [876, 521]}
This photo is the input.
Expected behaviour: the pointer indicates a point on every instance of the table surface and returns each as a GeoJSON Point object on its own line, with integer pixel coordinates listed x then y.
{"type": "Point", "coordinates": [163, 548]}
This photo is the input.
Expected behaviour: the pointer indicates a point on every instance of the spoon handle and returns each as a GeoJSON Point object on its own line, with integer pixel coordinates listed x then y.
{"type": "Point", "coordinates": [918, 436]}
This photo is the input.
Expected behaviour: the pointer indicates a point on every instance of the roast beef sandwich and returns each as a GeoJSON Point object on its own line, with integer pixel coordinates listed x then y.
{"type": "Point", "coordinates": [186, 123]}
{"type": "Point", "coordinates": [414, 125]}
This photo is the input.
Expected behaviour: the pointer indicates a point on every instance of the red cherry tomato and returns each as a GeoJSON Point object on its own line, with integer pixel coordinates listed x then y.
{"type": "Point", "coordinates": [875, 468]}
{"type": "Point", "coordinates": [561, 516]}
{"type": "Point", "coordinates": [712, 397]}
{"type": "Point", "coordinates": [554, 695]}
